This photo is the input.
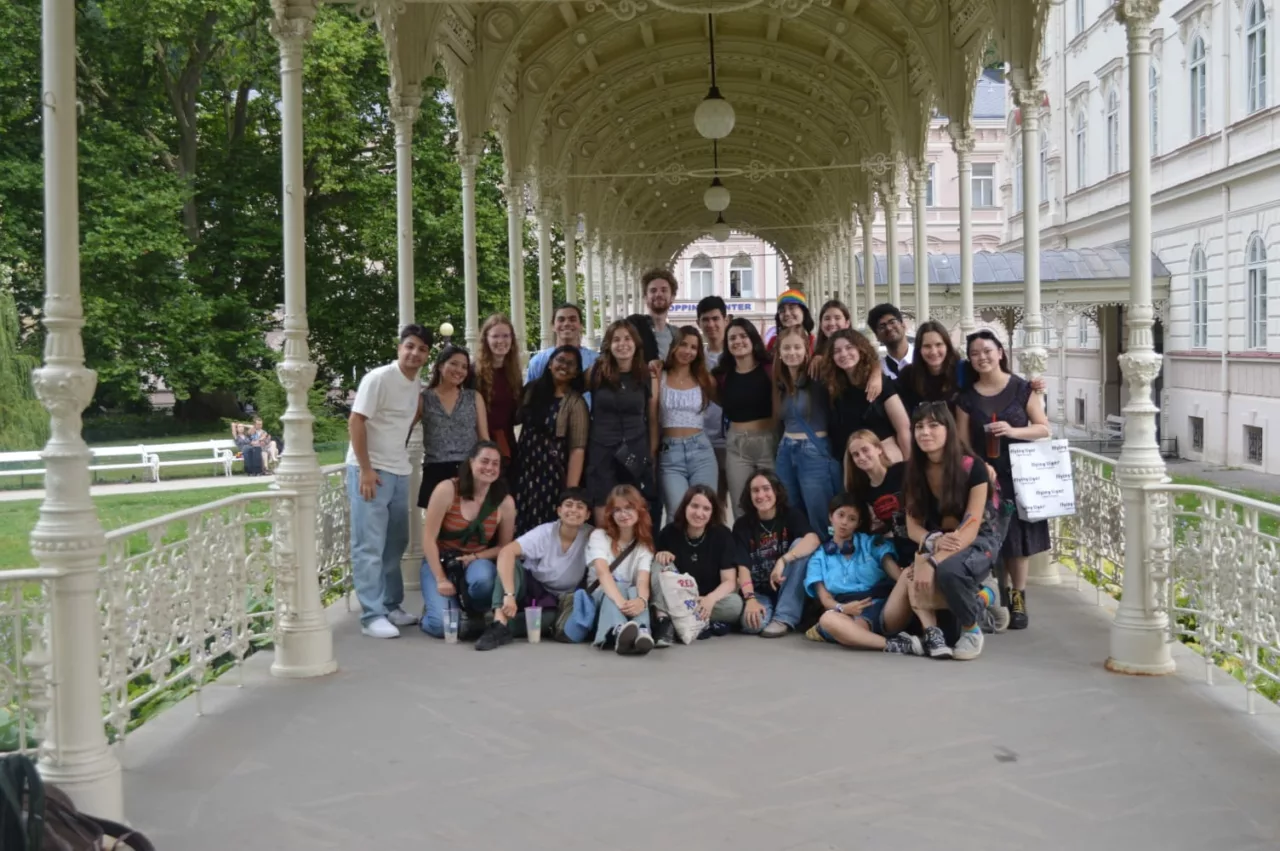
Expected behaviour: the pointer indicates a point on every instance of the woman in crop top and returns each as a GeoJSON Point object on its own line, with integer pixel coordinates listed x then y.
{"type": "Point", "coordinates": [746, 395]}
{"type": "Point", "coordinates": [684, 389]}
{"type": "Point", "coordinates": [804, 464]}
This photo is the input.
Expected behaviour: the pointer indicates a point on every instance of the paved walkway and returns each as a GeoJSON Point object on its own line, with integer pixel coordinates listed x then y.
{"type": "Point", "coordinates": [148, 487]}
{"type": "Point", "coordinates": [736, 743]}
{"type": "Point", "coordinates": [1226, 477]}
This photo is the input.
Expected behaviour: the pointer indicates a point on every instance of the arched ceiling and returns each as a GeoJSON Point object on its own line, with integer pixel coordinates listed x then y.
{"type": "Point", "coordinates": [593, 101]}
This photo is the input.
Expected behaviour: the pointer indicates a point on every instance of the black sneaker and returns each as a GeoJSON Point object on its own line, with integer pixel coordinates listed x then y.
{"type": "Point", "coordinates": [627, 635]}
{"type": "Point", "coordinates": [1017, 609]}
{"type": "Point", "coordinates": [664, 634]}
{"type": "Point", "coordinates": [644, 642]}
{"type": "Point", "coordinates": [564, 611]}
{"type": "Point", "coordinates": [495, 635]}
{"type": "Point", "coordinates": [719, 628]}
{"type": "Point", "coordinates": [935, 645]}
{"type": "Point", "coordinates": [904, 645]}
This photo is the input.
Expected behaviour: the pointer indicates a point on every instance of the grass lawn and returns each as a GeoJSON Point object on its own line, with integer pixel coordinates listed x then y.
{"type": "Point", "coordinates": [17, 519]}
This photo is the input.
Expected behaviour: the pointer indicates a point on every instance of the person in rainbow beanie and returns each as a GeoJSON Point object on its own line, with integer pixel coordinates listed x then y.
{"type": "Point", "coordinates": [793, 309]}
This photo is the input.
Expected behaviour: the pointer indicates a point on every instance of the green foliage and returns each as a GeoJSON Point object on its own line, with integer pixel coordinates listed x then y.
{"type": "Point", "coordinates": [23, 421]}
{"type": "Point", "coordinates": [270, 401]}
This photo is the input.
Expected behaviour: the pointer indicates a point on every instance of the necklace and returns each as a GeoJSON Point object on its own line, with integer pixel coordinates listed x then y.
{"type": "Point", "coordinates": [695, 543]}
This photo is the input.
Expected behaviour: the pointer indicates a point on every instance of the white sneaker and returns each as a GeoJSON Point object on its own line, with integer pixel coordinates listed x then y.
{"type": "Point", "coordinates": [969, 645]}
{"type": "Point", "coordinates": [400, 617]}
{"type": "Point", "coordinates": [380, 628]}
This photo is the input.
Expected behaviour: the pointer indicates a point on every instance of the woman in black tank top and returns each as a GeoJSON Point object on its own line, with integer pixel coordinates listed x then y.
{"type": "Point", "coordinates": [746, 393]}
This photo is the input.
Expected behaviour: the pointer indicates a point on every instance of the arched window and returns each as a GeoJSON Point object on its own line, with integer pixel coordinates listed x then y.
{"type": "Point", "coordinates": [1199, 299]}
{"type": "Point", "coordinates": [1082, 150]}
{"type": "Point", "coordinates": [701, 278]}
{"type": "Point", "coordinates": [1257, 293]}
{"type": "Point", "coordinates": [1153, 97]}
{"type": "Point", "coordinates": [1113, 132]}
{"type": "Point", "coordinates": [1255, 28]}
{"type": "Point", "coordinates": [1017, 173]}
{"type": "Point", "coordinates": [1199, 71]}
{"type": "Point", "coordinates": [742, 278]}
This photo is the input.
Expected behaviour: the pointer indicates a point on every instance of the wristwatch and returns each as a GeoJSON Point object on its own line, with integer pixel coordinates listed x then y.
{"type": "Point", "coordinates": [839, 610]}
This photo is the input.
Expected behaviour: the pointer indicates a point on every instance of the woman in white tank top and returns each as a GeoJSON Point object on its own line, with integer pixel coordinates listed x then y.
{"type": "Point", "coordinates": [684, 389]}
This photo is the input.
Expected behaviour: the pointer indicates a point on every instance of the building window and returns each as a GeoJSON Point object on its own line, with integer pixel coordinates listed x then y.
{"type": "Point", "coordinates": [1079, 9]}
{"type": "Point", "coordinates": [742, 278]}
{"type": "Point", "coordinates": [1082, 331]}
{"type": "Point", "coordinates": [1256, 55]}
{"type": "Point", "coordinates": [1080, 412]}
{"type": "Point", "coordinates": [1199, 70]}
{"type": "Point", "coordinates": [1153, 96]}
{"type": "Point", "coordinates": [930, 198]}
{"type": "Point", "coordinates": [1197, 434]}
{"type": "Point", "coordinates": [1199, 299]}
{"type": "Point", "coordinates": [701, 278]}
{"type": "Point", "coordinates": [1113, 132]}
{"type": "Point", "coordinates": [984, 184]}
{"type": "Point", "coordinates": [1256, 296]}
{"type": "Point", "coordinates": [1082, 150]}
{"type": "Point", "coordinates": [1044, 164]}
{"type": "Point", "coordinates": [1253, 444]}
{"type": "Point", "coordinates": [1017, 174]}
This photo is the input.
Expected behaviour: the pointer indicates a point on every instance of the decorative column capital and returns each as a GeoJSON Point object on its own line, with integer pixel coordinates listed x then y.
{"type": "Point", "coordinates": [292, 32]}
{"type": "Point", "coordinates": [1029, 100]}
{"type": "Point", "coordinates": [1137, 14]}
{"type": "Point", "coordinates": [1033, 361]}
{"type": "Point", "coordinates": [404, 112]}
{"type": "Point", "coordinates": [963, 142]}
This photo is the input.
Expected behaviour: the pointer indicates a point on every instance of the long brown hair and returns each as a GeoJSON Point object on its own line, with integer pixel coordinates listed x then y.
{"type": "Point", "coordinates": [856, 481]}
{"type": "Point", "coordinates": [820, 342]}
{"type": "Point", "coordinates": [606, 369]}
{"type": "Point", "coordinates": [644, 524]}
{"type": "Point", "coordinates": [868, 360]}
{"type": "Point", "coordinates": [954, 498]}
{"type": "Point", "coordinates": [679, 518]}
{"type": "Point", "coordinates": [782, 377]}
{"type": "Point", "coordinates": [486, 357]}
{"type": "Point", "coordinates": [466, 481]}
{"type": "Point", "coordinates": [919, 373]}
{"type": "Point", "coordinates": [698, 368]}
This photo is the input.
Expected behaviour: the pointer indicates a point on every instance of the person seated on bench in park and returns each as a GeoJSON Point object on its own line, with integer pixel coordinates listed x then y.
{"type": "Point", "coordinates": [240, 433]}
{"type": "Point", "coordinates": [469, 520]}
{"type": "Point", "coordinates": [855, 577]}
{"type": "Point", "coordinates": [261, 438]}
{"type": "Point", "coordinates": [542, 567]}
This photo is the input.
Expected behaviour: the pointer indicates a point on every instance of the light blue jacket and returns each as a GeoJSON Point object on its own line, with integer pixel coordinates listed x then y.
{"type": "Point", "coordinates": [856, 573]}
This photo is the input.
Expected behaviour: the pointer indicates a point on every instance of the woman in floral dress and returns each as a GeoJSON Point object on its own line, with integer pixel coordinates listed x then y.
{"type": "Point", "coordinates": [553, 439]}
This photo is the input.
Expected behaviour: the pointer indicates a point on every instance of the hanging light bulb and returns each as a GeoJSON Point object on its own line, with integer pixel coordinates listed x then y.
{"type": "Point", "coordinates": [714, 117]}
{"type": "Point", "coordinates": [720, 230]}
{"type": "Point", "coordinates": [717, 196]}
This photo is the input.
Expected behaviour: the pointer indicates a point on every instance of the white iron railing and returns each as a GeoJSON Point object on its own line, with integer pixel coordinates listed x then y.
{"type": "Point", "coordinates": [333, 535]}
{"type": "Point", "coordinates": [26, 654]}
{"type": "Point", "coordinates": [1214, 558]}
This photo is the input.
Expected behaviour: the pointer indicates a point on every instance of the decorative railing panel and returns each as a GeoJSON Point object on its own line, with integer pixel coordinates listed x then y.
{"type": "Point", "coordinates": [26, 656]}
{"type": "Point", "coordinates": [1092, 541]}
{"type": "Point", "coordinates": [187, 596]}
{"type": "Point", "coordinates": [333, 535]}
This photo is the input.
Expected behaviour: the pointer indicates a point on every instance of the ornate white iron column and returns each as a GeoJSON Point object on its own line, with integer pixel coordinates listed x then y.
{"type": "Point", "coordinates": [851, 261]}
{"type": "Point", "coordinates": [404, 114]}
{"type": "Point", "coordinates": [67, 536]}
{"type": "Point", "coordinates": [889, 200]}
{"type": "Point", "coordinates": [962, 143]}
{"type": "Point", "coordinates": [866, 219]}
{"type": "Point", "coordinates": [920, 236]}
{"type": "Point", "coordinates": [515, 256]}
{"type": "Point", "coordinates": [468, 159]}
{"type": "Point", "coordinates": [545, 307]}
{"type": "Point", "coordinates": [1032, 356]}
{"type": "Point", "coordinates": [589, 302]}
{"type": "Point", "coordinates": [570, 255]}
{"type": "Point", "coordinates": [305, 646]}
{"type": "Point", "coordinates": [1139, 639]}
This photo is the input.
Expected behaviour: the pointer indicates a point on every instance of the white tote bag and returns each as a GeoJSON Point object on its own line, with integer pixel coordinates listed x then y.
{"type": "Point", "coordinates": [1042, 483]}
{"type": "Point", "coordinates": [680, 592]}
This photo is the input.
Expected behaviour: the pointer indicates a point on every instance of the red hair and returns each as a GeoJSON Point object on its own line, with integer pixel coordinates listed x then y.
{"type": "Point", "coordinates": [628, 495]}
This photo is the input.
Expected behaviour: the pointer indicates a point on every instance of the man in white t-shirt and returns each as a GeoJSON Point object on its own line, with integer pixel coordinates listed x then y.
{"type": "Point", "coordinates": [659, 286]}
{"type": "Point", "coordinates": [378, 471]}
{"type": "Point", "coordinates": [554, 562]}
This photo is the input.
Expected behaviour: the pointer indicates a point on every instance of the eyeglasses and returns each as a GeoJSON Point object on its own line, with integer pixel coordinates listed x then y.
{"type": "Point", "coordinates": [624, 509]}
{"type": "Point", "coordinates": [887, 324]}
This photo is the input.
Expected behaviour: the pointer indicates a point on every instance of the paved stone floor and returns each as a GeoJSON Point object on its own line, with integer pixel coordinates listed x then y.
{"type": "Point", "coordinates": [735, 743]}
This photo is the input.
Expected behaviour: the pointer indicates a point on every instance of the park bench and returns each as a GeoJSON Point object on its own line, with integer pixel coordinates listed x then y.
{"type": "Point", "coordinates": [29, 463]}
{"type": "Point", "coordinates": [222, 454]}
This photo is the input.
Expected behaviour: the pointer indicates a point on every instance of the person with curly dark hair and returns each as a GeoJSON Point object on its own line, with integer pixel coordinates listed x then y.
{"type": "Point", "coordinates": [776, 541]}
{"type": "Point", "coordinates": [554, 426]}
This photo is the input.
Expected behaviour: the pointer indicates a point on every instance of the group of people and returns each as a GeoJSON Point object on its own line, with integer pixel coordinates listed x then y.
{"type": "Point", "coordinates": [258, 449]}
{"type": "Point", "coordinates": [871, 497]}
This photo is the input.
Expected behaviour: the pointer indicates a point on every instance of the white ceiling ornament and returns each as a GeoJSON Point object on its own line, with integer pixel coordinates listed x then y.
{"type": "Point", "coordinates": [626, 10]}
{"type": "Point", "coordinates": [720, 230]}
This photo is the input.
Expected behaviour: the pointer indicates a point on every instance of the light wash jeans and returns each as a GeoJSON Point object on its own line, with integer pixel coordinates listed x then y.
{"type": "Point", "coordinates": [811, 477]}
{"type": "Point", "coordinates": [744, 453]}
{"type": "Point", "coordinates": [685, 461]}
{"type": "Point", "coordinates": [481, 576]}
{"type": "Point", "coordinates": [787, 603]}
{"type": "Point", "coordinates": [379, 536]}
{"type": "Point", "coordinates": [610, 617]}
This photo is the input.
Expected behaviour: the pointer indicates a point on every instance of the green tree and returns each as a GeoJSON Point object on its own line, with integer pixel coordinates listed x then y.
{"type": "Point", "coordinates": [23, 421]}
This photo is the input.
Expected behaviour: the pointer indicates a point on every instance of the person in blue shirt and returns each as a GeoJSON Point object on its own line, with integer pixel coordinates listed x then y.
{"type": "Point", "coordinates": [567, 325]}
{"type": "Point", "coordinates": [855, 577]}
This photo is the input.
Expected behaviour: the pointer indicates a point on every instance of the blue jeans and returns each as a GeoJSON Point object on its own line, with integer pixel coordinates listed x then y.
{"type": "Point", "coordinates": [811, 477]}
{"type": "Point", "coordinates": [610, 617]}
{"type": "Point", "coordinates": [787, 603]}
{"type": "Point", "coordinates": [481, 576]}
{"type": "Point", "coordinates": [379, 536]}
{"type": "Point", "coordinates": [685, 461]}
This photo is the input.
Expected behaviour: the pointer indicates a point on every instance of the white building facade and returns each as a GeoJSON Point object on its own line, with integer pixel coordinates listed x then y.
{"type": "Point", "coordinates": [1215, 179]}
{"type": "Point", "coordinates": [744, 270]}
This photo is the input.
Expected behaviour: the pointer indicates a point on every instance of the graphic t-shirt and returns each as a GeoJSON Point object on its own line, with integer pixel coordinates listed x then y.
{"type": "Point", "coordinates": [763, 542]}
{"type": "Point", "coordinates": [888, 509]}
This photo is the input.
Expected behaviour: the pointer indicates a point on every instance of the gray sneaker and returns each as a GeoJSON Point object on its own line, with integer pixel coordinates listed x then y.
{"type": "Point", "coordinates": [969, 645]}
{"type": "Point", "coordinates": [774, 629]}
{"type": "Point", "coordinates": [997, 611]}
{"type": "Point", "coordinates": [904, 645]}
{"type": "Point", "coordinates": [627, 635]}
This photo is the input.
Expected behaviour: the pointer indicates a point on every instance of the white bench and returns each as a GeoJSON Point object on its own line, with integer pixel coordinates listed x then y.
{"type": "Point", "coordinates": [1113, 428]}
{"type": "Point", "coordinates": [23, 463]}
{"type": "Point", "coordinates": [103, 458]}
{"type": "Point", "coordinates": [221, 454]}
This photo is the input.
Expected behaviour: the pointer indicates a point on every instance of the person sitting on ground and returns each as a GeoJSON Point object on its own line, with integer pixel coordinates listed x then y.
{"type": "Point", "coordinates": [776, 542]}
{"type": "Point", "coordinates": [697, 543]}
{"type": "Point", "coordinates": [855, 577]}
{"type": "Point", "coordinates": [619, 563]}
{"type": "Point", "coordinates": [955, 524]}
{"type": "Point", "coordinates": [877, 483]}
{"type": "Point", "coordinates": [468, 521]}
{"type": "Point", "coordinates": [542, 567]}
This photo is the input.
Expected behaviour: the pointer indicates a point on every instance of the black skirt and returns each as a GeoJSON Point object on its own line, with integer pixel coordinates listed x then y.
{"type": "Point", "coordinates": [434, 474]}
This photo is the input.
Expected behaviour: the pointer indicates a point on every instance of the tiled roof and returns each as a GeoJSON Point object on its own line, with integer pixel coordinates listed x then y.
{"type": "Point", "coordinates": [1005, 267]}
